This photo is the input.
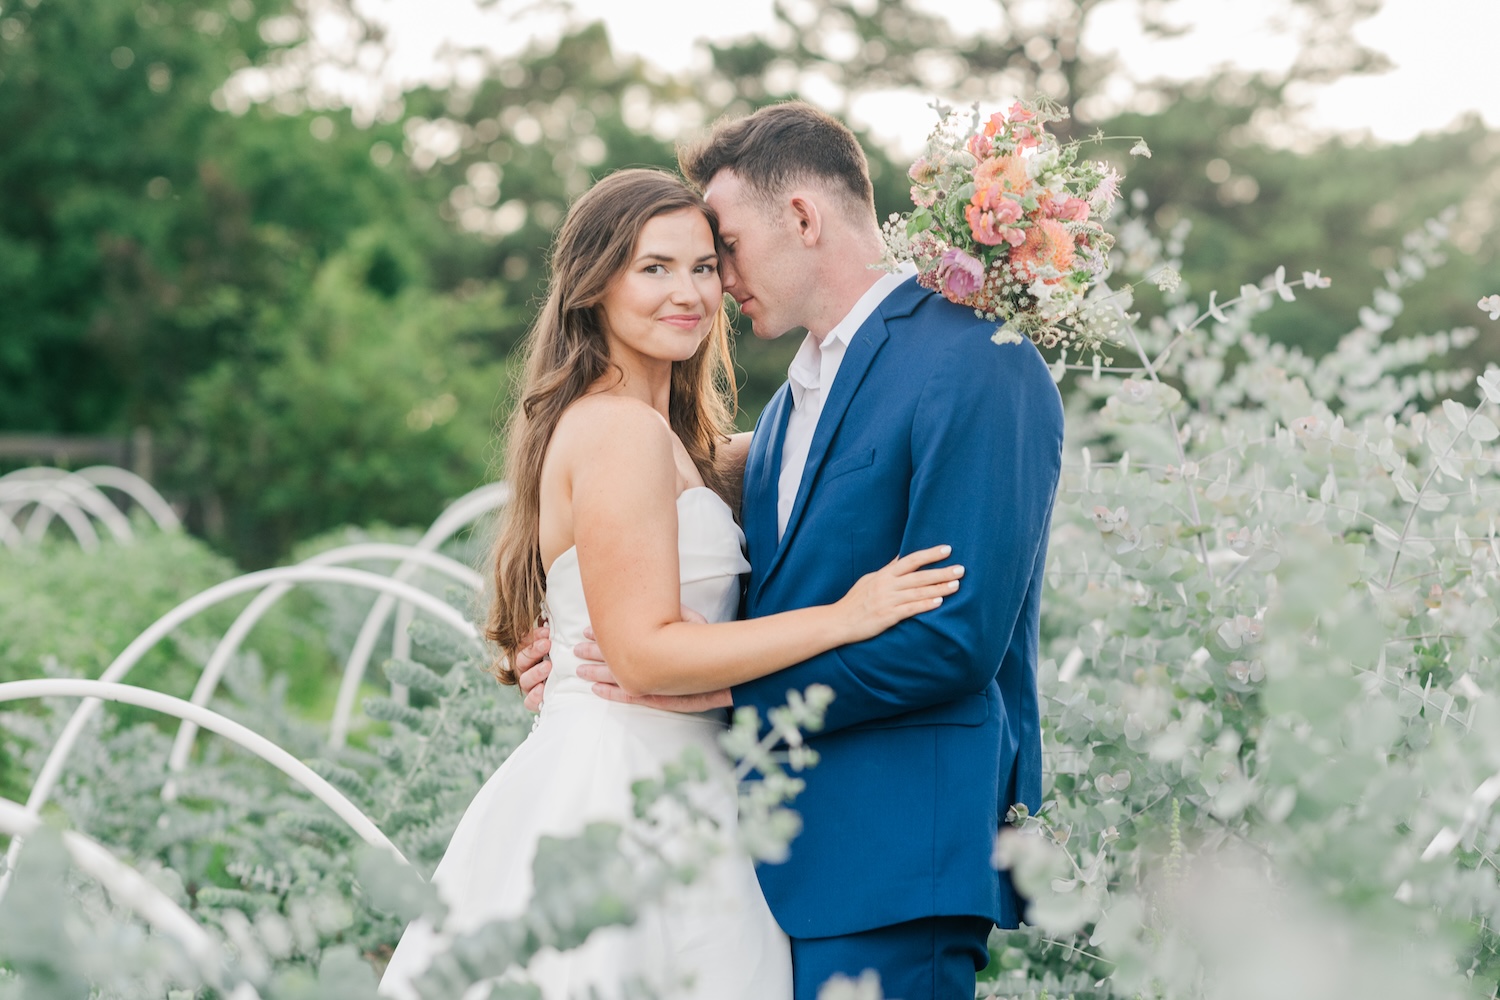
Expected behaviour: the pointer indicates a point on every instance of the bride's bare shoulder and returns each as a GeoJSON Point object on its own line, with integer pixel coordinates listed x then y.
{"type": "Point", "coordinates": [602, 426]}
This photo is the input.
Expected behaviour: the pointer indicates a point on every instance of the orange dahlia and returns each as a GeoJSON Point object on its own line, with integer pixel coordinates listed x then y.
{"type": "Point", "coordinates": [1047, 242]}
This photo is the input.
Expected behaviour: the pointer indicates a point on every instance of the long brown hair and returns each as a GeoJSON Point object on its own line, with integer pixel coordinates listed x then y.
{"type": "Point", "coordinates": [567, 353]}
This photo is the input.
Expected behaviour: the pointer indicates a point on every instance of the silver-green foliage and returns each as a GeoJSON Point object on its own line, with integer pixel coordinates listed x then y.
{"type": "Point", "coordinates": [1270, 676]}
{"type": "Point", "coordinates": [302, 908]}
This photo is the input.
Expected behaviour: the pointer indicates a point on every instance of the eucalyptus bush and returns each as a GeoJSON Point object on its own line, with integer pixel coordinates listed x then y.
{"type": "Point", "coordinates": [1270, 674]}
{"type": "Point", "coordinates": [301, 906]}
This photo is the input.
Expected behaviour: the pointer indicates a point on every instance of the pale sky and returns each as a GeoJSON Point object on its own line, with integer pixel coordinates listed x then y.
{"type": "Point", "coordinates": [1446, 52]}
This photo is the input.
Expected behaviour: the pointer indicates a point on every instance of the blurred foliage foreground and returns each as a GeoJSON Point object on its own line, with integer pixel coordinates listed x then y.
{"type": "Point", "coordinates": [1269, 681]}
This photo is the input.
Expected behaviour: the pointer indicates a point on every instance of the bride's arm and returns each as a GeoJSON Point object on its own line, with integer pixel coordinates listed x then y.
{"type": "Point", "coordinates": [624, 506]}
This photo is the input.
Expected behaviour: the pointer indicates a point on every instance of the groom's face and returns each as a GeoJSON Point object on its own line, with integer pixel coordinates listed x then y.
{"type": "Point", "coordinates": [758, 266]}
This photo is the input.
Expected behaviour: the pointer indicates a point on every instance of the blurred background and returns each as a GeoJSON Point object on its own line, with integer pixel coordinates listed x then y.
{"type": "Point", "coordinates": [276, 255]}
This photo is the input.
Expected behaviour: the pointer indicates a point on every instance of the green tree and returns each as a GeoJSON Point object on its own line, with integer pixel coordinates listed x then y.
{"type": "Point", "coordinates": [372, 403]}
{"type": "Point", "coordinates": [862, 46]}
{"type": "Point", "coordinates": [106, 113]}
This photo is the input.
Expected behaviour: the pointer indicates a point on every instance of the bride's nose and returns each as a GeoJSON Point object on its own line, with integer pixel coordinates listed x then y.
{"type": "Point", "coordinates": [684, 291]}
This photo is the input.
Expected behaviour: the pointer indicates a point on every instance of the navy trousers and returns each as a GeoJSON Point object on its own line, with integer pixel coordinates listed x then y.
{"type": "Point", "coordinates": [931, 959]}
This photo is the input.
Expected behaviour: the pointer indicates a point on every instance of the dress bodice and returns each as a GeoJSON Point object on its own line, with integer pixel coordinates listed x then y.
{"type": "Point", "coordinates": [710, 562]}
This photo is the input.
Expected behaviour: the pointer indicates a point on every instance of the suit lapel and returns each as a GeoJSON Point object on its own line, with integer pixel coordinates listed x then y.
{"type": "Point", "coordinates": [865, 345]}
{"type": "Point", "coordinates": [762, 471]}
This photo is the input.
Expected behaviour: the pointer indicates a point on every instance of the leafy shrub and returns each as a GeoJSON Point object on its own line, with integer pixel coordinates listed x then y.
{"type": "Point", "coordinates": [363, 405]}
{"type": "Point", "coordinates": [292, 892]}
{"type": "Point", "coordinates": [1269, 636]}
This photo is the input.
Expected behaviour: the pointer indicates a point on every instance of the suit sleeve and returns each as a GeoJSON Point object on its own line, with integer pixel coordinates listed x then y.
{"type": "Point", "coordinates": [986, 443]}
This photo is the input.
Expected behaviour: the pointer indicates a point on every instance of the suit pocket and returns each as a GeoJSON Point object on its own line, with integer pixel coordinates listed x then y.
{"type": "Point", "coordinates": [845, 464]}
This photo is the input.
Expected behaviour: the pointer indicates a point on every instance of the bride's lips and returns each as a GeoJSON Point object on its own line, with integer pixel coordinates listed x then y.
{"type": "Point", "coordinates": [686, 321]}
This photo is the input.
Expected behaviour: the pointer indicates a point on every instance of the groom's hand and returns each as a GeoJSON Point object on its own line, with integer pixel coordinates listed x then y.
{"type": "Point", "coordinates": [593, 668]}
{"type": "Point", "coordinates": [532, 667]}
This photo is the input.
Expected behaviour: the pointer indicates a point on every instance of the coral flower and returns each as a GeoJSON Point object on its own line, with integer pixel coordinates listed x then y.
{"type": "Point", "coordinates": [1048, 243]}
{"type": "Point", "coordinates": [1009, 172]}
{"type": "Point", "coordinates": [989, 216]}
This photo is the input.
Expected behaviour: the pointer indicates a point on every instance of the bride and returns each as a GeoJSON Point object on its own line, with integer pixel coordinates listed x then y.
{"type": "Point", "coordinates": [620, 460]}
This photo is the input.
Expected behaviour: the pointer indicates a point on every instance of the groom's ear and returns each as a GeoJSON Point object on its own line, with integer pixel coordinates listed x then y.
{"type": "Point", "coordinates": [807, 218]}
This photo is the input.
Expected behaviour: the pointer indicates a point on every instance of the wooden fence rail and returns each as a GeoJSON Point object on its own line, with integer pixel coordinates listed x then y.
{"type": "Point", "coordinates": [71, 451]}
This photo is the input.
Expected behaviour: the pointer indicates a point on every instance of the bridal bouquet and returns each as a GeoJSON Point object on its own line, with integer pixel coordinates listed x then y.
{"type": "Point", "coordinates": [1008, 222]}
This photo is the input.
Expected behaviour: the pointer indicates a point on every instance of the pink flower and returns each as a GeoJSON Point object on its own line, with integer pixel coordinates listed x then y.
{"type": "Point", "coordinates": [1020, 113]}
{"type": "Point", "coordinates": [921, 171]}
{"type": "Point", "coordinates": [923, 197]}
{"type": "Point", "coordinates": [959, 275]}
{"type": "Point", "coordinates": [1068, 209]}
{"type": "Point", "coordinates": [1108, 189]}
{"type": "Point", "coordinates": [980, 146]}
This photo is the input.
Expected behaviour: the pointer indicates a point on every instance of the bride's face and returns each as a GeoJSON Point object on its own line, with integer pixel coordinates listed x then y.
{"type": "Point", "coordinates": [663, 304]}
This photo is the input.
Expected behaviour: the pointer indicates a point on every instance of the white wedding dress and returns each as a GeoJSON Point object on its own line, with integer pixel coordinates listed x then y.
{"type": "Point", "coordinates": [715, 935]}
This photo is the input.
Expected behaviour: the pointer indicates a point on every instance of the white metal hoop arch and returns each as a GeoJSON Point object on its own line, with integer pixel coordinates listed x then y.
{"type": "Point", "coordinates": [9, 536]}
{"type": "Point", "coordinates": [138, 490]}
{"type": "Point", "coordinates": [26, 486]}
{"type": "Point", "coordinates": [96, 691]}
{"type": "Point", "coordinates": [51, 769]}
{"type": "Point", "coordinates": [230, 644]}
{"type": "Point", "coordinates": [77, 521]}
{"type": "Point", "coordinates": [460, 514]}
{"type": "Point", "coordinates": [130, 889]}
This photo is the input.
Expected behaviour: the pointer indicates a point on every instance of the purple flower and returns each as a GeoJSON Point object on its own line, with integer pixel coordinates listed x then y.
{"type": "Point", "coordinates": [959, 275]}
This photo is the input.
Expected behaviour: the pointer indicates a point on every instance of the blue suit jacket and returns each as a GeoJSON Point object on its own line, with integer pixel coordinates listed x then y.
{"type": "Point", "coordinates": [931, 434]}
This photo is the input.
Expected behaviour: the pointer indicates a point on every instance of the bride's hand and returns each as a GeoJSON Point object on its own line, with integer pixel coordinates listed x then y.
{"type": "Point", "coordinates": [896, 592]}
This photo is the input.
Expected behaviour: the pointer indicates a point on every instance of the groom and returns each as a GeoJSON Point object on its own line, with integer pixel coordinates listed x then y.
{"type": "Point", "coordinates": [901, 426]}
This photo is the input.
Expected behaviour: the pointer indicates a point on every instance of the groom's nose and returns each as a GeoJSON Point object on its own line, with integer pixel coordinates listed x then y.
{"type": "Point", "coordinates": [728, 277]}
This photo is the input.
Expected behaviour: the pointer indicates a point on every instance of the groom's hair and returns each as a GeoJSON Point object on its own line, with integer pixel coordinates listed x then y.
{"type": "Point", "coordinates": [779, 146]}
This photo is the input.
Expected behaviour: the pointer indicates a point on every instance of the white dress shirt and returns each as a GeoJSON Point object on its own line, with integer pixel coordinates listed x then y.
{"type": "Point", "coordinates": [811, 375]}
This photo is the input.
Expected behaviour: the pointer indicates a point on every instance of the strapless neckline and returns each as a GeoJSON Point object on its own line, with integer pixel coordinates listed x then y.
{"type": "Point", "coordinates": [572, 550]}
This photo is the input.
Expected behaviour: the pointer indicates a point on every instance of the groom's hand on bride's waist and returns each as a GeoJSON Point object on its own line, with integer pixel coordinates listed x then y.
{"type": "Point", "coordinates": [533, 666]}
